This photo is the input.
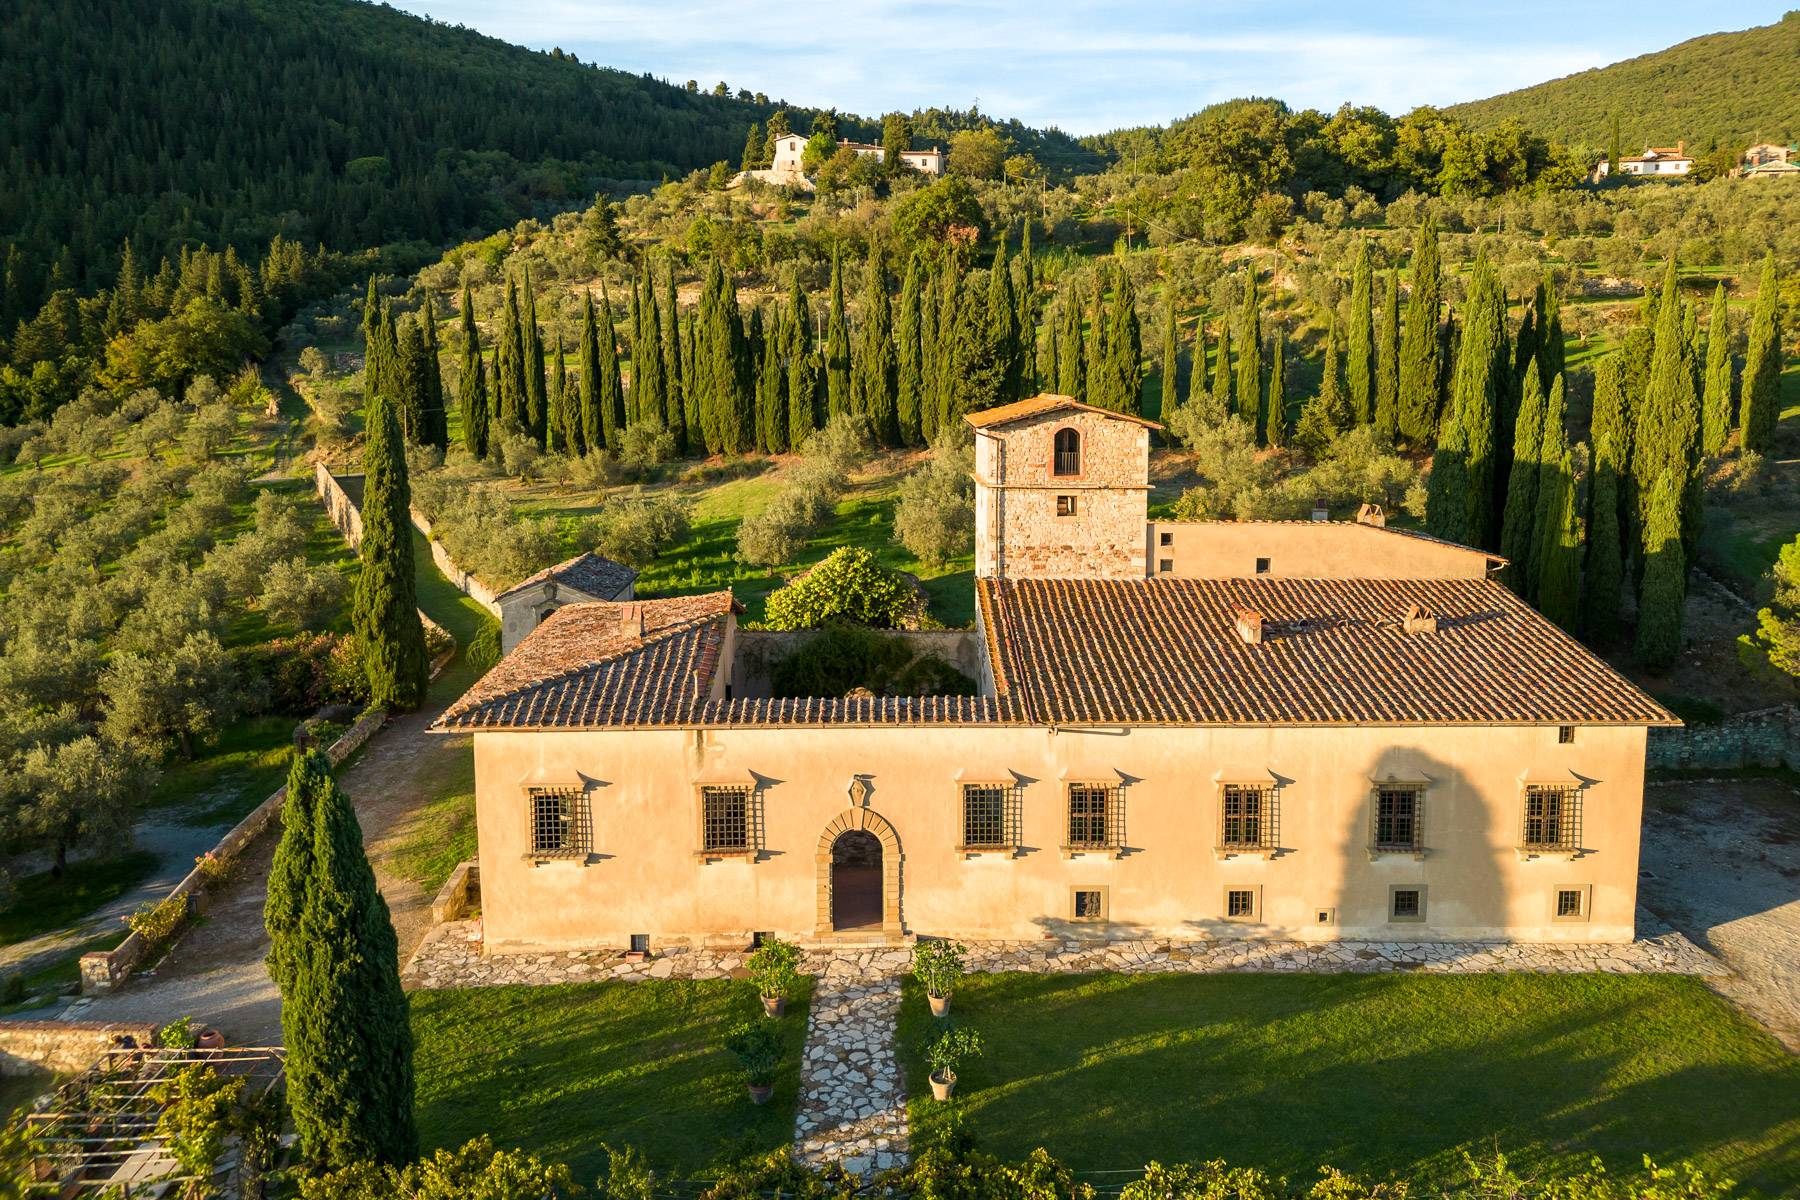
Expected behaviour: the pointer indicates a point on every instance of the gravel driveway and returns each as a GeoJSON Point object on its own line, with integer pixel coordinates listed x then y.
{"type": "Point", "coordinates": [1721, 863]}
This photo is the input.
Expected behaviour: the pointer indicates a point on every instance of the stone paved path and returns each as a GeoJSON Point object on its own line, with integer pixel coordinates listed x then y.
{"type": "Point", "coordinates": [852, 1096]}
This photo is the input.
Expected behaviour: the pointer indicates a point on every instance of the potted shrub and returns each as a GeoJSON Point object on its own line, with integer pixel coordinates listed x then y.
{"type": "Point", "coordinates": [757, 1046]}
{"type": "Point", "coordinates": [774, 968]}
{"type": "Point", "coordinates": [938, 966]}
{"type": "Point", "coordinates": [943, 1050]}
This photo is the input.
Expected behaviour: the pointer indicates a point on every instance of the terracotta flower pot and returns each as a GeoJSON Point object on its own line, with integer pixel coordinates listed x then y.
{"type": "Point", "coordinates": [760, 1092]}
{"type": "Point", "coordinates": [209, 1039]}
{"type": "Point", "coordinates": [940, 1005]}
{"type": "Point", "coordinates": [942, 1084]}
{"type": "Point", "coordinates": [774, 1006]}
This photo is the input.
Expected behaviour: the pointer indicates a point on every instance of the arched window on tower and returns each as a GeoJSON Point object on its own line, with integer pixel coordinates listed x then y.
{"type": "Point", "coordinates": [1067, 459]}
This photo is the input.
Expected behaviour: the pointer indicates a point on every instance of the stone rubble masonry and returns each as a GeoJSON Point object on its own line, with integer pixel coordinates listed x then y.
{"type": "Point", "coordinates": [852, 1097]}
{"type": "Point", "coordinates": [1768, 737]}
{"type": "Point", "coordinates": [63, 1047]}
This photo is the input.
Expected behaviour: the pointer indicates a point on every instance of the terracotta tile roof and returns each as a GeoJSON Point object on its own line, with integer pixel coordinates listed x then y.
{"type": "Point", "coordinates": [1397, 531]}
{"type": "Point", "coordinates": [592, 665]}
{"type": "Point", "coordinates": [1166, 651]}
{"type": "Point", "coordinates": [1019, 410]}
{"type": "Point", "coordinates": [864, 710]}
{"type": "Point", "coordinates": [601, 578]}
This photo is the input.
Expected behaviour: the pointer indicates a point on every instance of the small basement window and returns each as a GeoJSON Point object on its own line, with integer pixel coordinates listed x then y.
{"type": "Point", "coordinates": [1065, 506]}
{"type": "Point", "coordinates": [1262, 566]}
{"type": "Point", "coordinates": [640, 943]}
{"type": "Point", "coordinates": [1087, 904]}
{"type": "Point", "coordinates": [1406, 904]}
{"type": "Point", "coordinates": [1565, 735]}
{"type": "Point", "coordinates": [1243, 904]}
{"type": "Point", "coordinates": [1571, 904]}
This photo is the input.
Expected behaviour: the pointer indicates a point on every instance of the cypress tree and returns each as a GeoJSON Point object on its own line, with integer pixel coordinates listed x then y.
{"type": "Point", "coordinates": [1126, 348]}
{"type": "Point", "coordinates": [1002, 334]}
{"type": "Point", "coordinates": [565, 412]}
{"type": "Point", "coordinates": [931, 354]}
{"type": "Point", "coordinates": [1359, 358]}
{"type": "Point", "coordinates": [531, 339]}
{"type": "Point", "coordinates": [674, 403]}
{"type": "Point", "coordinates": [609, 392]}
{"type": "Point", "coordinates": [344, 1017]}
{"type": "Point", "coordinates": [1612, 150]}
{"type": "Point", "coordinates": [1559, 540]}
{"type": "Point", "coordinates": [1071, 351]}
{"type": "Point", "coordinates": [1668, 430]}
{"type": "Point", "coordinates": [874, 366]}
{"type": "Point", "coordinates": [692, 401]}
{"type": "Point", "coordinates": [909, 380]}
{"type": "Point", "coordinates": [291, 870]}
{"type": "Point", "coordinates": [837, 346]}
{"type": "Point", "coordinates": [771, 393]}
{"type": "Point", "coordinates": [1169, 397]}
{"type": "Point", "coordinates": [385, 612]}
{"type": "Point", "coordinates": [1663, 594]}
{"type": "Point", "coordinates": [371, 331]}
{"type": "Point", "coordinates": [407, 387]}
{"type": "Point", "coordinates": [1419, 348]}
{"type": "Point", "coordinates": [509, 367]}
{"type": "Point", "coordinates": [1277, 407]}
{"type": "Point", "coordinates": [1518, 524]}
{"type": "Point", "coordinates": [1249, 353]}
{"type": "Point", "coordinates": [1605, 567]}
{"type": "Point", "coordinates": [472, 397]}
{"type": "Point", "coordinates": [1551, 356]}
{"type": "Point", "coordinates": [1387, 361]}
{"type": "Point", "coordinates": [1199, 399]}
{"type": "Point", "coordinates": [595, 432]}
{"type": "Point", "coordinates": [1460, 488]}
{"type": "Point", "coordinates": [1223, 401]}
{"type": "Point", "coordinates": [1715, 412]}
{"type": "Point", "coordinates": [1025, 292]}
{"type": "Point", "coordinates": [436, 419]}
{"type": "Point", "coordinates": [802, 366]}
{"type": "Point", "coordinates": [951, 326]}
{"type": "Point", "coordinates": [1760, 409]}
{"type": "Point", "coordinates": [648, 385]}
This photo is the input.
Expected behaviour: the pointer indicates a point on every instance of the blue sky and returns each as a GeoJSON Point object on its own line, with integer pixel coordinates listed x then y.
{"type": "Point", "coordinates": [1087, 65]}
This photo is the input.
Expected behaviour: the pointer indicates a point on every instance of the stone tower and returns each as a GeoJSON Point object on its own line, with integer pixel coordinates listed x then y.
{"type": "Point", "coordinates": [1060, 491]}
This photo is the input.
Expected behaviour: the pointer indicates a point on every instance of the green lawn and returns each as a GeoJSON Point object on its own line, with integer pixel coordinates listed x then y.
{"type": "Point", "coordinates": [444, 603]}
{"type": "Point", "coordinates": [45, 904]}
{"type": "Point", "coordinates": [561, 1070]}
{"type": "Point", "coordinates": [1378, 1074]}
{"type": "Point", "coordinates": [242, 766]}
{"type": "Point", "coordinates": [442, 833]}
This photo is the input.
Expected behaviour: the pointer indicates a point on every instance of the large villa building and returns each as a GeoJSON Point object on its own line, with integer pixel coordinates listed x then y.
{"type": "Point", "coordinates": [1306, 730]}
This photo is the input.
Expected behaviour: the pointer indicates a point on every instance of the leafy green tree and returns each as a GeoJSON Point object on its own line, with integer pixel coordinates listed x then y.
{"type": "Point", "coordinates": [1249, 352]}
{"type": "Point", "coordinates": [1605, 566]}
{"type": "Point", "coordinates": [1773, 648]}
{"type": "Point", "coordinates": [847, 585]}
{"type": "Point", "coordinates": [837, 346]}
{"type": "Point", "coordinates": [753, 148]}
{"type": "Point", "coordinates": [935, 515]}
{"type": "Point", "coordinates": [1663, 594]}
{"type": "Point", "coordinates": [84, 790]}
{"type": "Point", "coordinates": [384, 612]}
{"type": "Point", "coordinates": [1359, 361]}
{"type": "Point", "coordinates": [896, 139]}
{"type": "Point", "coordinates": [1419, 397]}
{"type": "Point", "coordinates": [179, 696]}
{"type": "Point", "coordinates": [1387, 361]}
{"type": "Point", "coordinates": [599, 239]}
{"type": "Point", "coordinates": [472, 393]}
{"type": "Point", "coordinates": [1760, 409]}
{"type": "Point", "coordinates": [1518, 528]}
{"type": "Point", "coordinates": [1716, 409]}
{"type": "Point", "coordinates": [344, 1017]}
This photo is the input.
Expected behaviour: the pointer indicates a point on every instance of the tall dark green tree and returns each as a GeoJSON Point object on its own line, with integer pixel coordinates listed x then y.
{"type": "Point", "coordinates": [1387, 361]}
{"type": "Point", "coordinates": [1359, 356]}
{"type": "Point", "coordinates": [1125, 349]}
{"type": "Point", "coordinates": [371, 335]}
{"type": "Point", "coordinates": [838, 397]}
{"type": "Point", "coordinates": [1223, 399]}
{"type": "Point", "coordinates": [1760, 408]}
{"type": "Point", "coordinates": [1249, 352]}
{"type": "Point", "coordinates": [875, 369]}
{"type": "Point", "coordinates": [531, 341]}
{"type": "Point", "coordinates": [1556, 558]}
{"type": "Point", "coordinates": [1716, 408]}
{"type": "Point", "coordinates": [433, 411]}
{"type": "Point", "coordinates": [1168, 382]}
{"type": "Point", "coordinates": [771, 392]}
{"type": "Point", "coordinates": [1199, 399]}
{"type": "Point", "coordinates": [649, 388]}
{"type": "Point", "coordinates": [609, 393]}
{"type": "Point", "coordinates": [1663, 594]}
{"type": "Point", "coordinates": [909, 373]}
{"type": "Point", "coordinates": [1518, 526]}
{"type": "Point", "coordinates": [406, 390]}
{"type": "Point", "coordinates": [472, 392]}
{"type": "Point", "coordinates": [802, 368]}
{"type": "Point", "coordinates": [384, 613]}
{"type": "Point", "coordinates": [1668, 423]}
{"type": "Point", "coordinates": [1002, 334]}
{"type": "Point", "coordinates": [1071, 351]}
{"type": "Point", "coordinates": [1025, 289]}
{"type": "Point", "coordinates": [1460, 488]}
{"type": "Point", "coordinates": [1276, 425]}
{"type": "Point", "coordinates": [509, 367]}
{"type": "Point", "coordinates": [333, 952]}
{"type": "Point", "coordinates": [722, 366]}
{"type": "Point", "coordinates": [565, 410]}
{"type": "Point", "coordinates": [1604, 571]}
{"type": "Point", "coordinates": [596, 433]}
{"type": "Point", "coordinates": [674, 402]}
{"type": "Point", "coordinates": [1420, 359]}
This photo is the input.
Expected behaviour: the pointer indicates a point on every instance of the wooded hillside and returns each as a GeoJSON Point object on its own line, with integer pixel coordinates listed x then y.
{"type": "Point", "coordinates": [1731, 89]}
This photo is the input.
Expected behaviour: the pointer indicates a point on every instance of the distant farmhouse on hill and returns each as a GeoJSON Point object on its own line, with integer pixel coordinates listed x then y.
{"type": "Point", "coordinates": [788, 167]}
{"type": "Point", "coordinates": [1656, 162]}
{"type": "Point", "coordinates": [1766, 160]}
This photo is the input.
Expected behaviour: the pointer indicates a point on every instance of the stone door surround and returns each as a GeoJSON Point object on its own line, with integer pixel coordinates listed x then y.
{"type": "Point", "coordinates": [873, 822]}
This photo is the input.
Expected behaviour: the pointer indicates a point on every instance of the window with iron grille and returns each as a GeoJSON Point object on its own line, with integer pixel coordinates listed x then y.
{"type": "Point", "coordinates": [1067, 453]}
{"type": "Point", "coordinates": [1406, 904]}
{"type": "Point", "coordinates": [1565, 735]}
{"type": "Point", "coordinates": [1247, 817]}
{"type": "Point", "coordinates": [559, 821]}
{"type": "Point", "coordinates": [1240, 903]}
{"type": "Point", "coordinates": [1088, 904]}
{"type": "Point", "coordinates": [1398, 813]}
{"type": "Point", "coordinates": [1552, 817]}
{"type": "Point", "coordinates": [1570, 902]}
{"type": "Point", "coordinates": [990, 816]}
{"type": "Point", "coordinates": [1096, 817]}
{"type": "Point", "coordinates": [725, 818]}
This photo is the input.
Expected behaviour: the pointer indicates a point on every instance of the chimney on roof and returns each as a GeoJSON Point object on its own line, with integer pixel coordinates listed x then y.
{"type": "Point", "coordinates": [631, 619]}
{"type": "Point", "coordinates": [1681, 148]}
{"type": "Point", "coordinates": [700, 683]}
{"type": "Point", "coordinates": [1250, 626]}
{"type": "Point", "coordinates": [1321, 510]}
{"type": "Point", "coordinates": [1371, 514]}
{"type": "Point", "coordinates": [1418, 620]}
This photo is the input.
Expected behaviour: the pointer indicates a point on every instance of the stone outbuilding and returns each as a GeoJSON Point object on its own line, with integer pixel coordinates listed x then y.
{"type": "Point", "coordinates": [583, 579]}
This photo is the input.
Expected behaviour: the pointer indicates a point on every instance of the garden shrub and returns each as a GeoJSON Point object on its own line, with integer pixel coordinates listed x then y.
{"type": "Point", "coordinates": [841, 658]}
{"type": "Point", "coordinates": [935, 515]}
{"type": "Point", "coordinates": [296, 670]}
{"type": "Point", "coordinates": [634, 529]}
{"type": "Point", "coordinates": [156, 923]}
{"type": "Point", "coordinates": [483, 651]}
{"type": "Point", "coordinates": [848, 585]}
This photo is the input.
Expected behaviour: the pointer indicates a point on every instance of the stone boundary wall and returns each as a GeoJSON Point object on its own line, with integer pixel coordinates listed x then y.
{"type": "Point", "coordinates": [344, 514]}
{"type": "Point", "coordinates": [759, 649]}
{"type": "Point", "coordinates": [63, 1047]}
{"type": "Point", "coordinates": [105, 970]}
{"type": "Point", "coordinates": [460, 893]}
{"type": "Point", "coordinates": [1768, 737]}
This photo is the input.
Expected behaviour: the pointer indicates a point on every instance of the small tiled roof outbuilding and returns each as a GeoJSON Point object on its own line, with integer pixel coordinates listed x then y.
{"type": "Point", "coordinates": [588, 573]}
